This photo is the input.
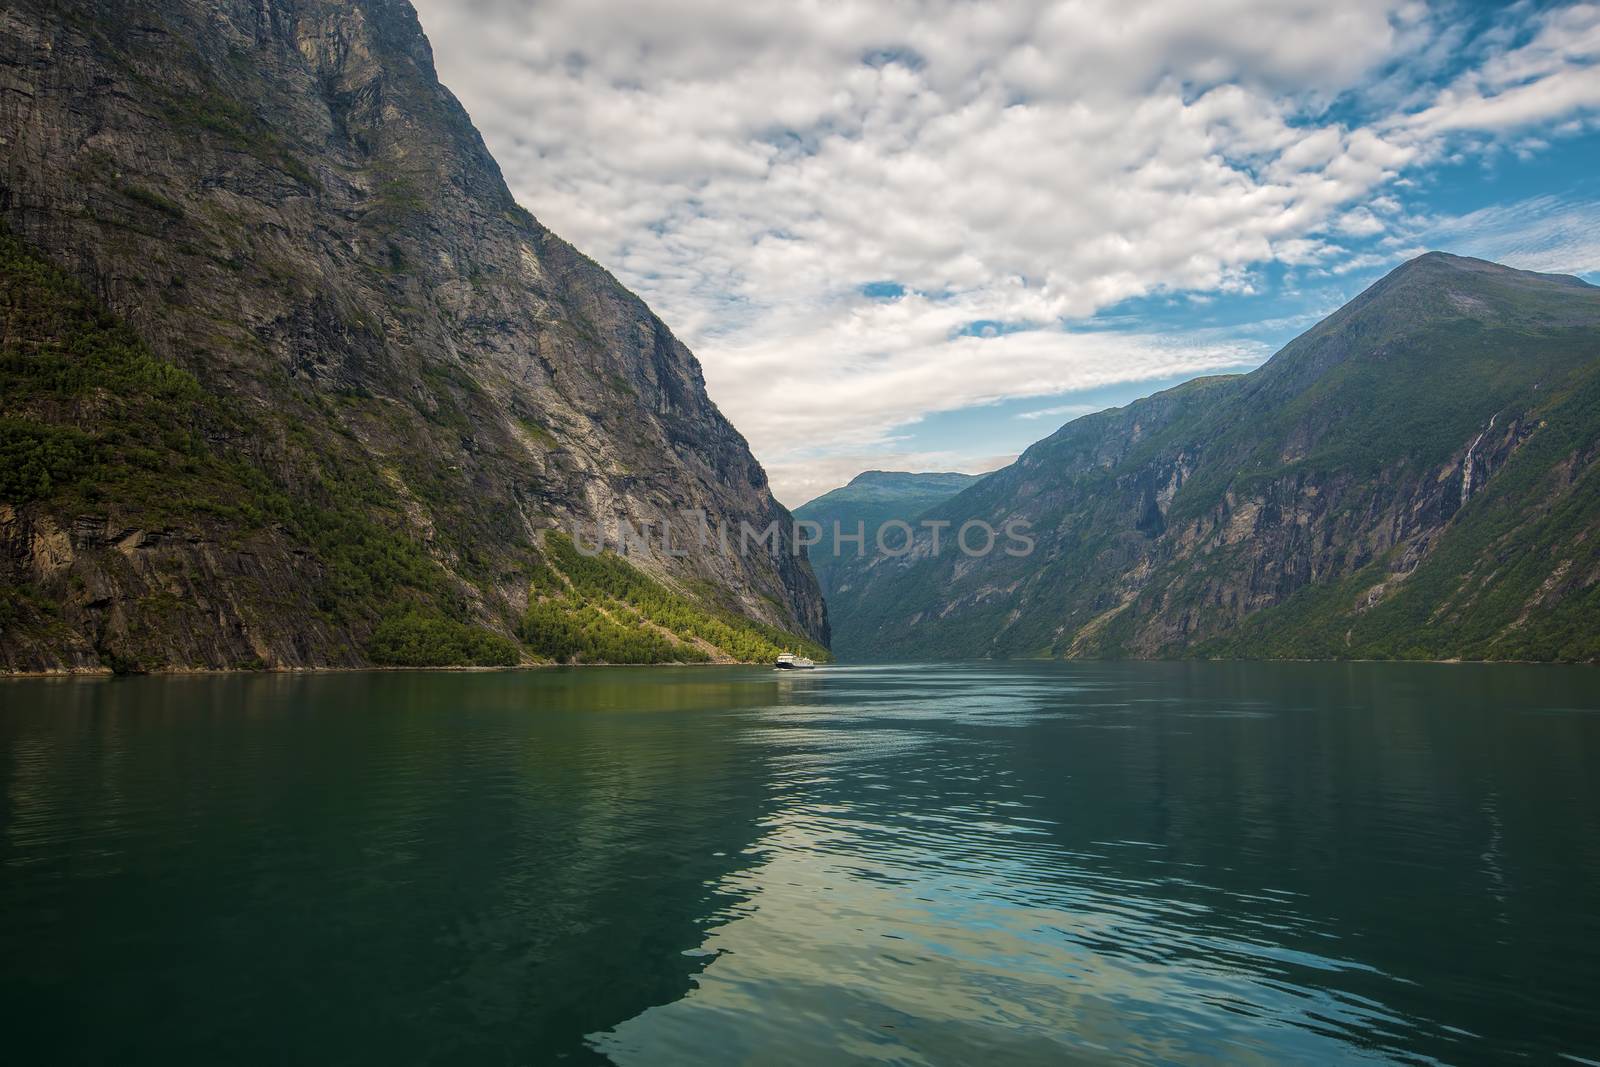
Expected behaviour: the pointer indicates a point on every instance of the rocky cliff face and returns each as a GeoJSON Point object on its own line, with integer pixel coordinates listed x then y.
{"type": "Point", "coordinates": [281, 200]}
{"type": "Point", "coordinates": [1416, 476]}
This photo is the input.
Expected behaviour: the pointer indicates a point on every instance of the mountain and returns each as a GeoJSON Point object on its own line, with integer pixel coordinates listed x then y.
{"type": "Point", "coordinates": [290, 380]}
{"type": "Point", "coordinates": [871, 499]}
{"type": "Point", "coordinates": [1413, 477]}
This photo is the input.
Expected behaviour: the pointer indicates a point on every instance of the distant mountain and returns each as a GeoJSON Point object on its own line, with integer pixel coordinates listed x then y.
{"type": "Point", "coordinates": [1413, 477]}
{"type": "Point", "coordinates": [290, 380]}
{"type": "Point", "coordinates": [871, 499]}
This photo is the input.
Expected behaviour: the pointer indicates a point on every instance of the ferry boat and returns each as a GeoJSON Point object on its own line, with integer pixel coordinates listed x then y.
{"type": "Point", "coordinates": [791, 662]}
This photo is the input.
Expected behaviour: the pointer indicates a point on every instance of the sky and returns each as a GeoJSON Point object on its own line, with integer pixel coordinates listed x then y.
{"type": "Point", "coordinates": [922, 234]}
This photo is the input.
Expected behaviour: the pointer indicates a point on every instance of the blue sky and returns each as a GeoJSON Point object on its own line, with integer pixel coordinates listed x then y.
{"type": "Point", "coordinates": [921, 234]}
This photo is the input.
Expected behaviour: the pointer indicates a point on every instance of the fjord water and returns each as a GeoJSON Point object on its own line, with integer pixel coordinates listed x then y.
{"type": "Point", "coordinates": [989, 863]}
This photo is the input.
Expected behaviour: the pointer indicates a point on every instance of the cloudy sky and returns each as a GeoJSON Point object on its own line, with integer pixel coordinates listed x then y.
{"type": "Point", "coordinates": [921, 234]}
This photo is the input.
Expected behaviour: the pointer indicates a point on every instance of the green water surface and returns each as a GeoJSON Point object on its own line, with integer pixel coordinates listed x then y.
{"type": "Point", "coordinates": [1047, 863]}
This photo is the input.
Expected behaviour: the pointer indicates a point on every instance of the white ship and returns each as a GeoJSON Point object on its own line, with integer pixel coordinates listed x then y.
{"type": "Point", "coordinates": [791, 662]}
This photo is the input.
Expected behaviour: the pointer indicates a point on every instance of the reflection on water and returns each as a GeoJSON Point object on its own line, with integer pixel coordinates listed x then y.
{"type": "Point", "coordinates": [1017, 863]}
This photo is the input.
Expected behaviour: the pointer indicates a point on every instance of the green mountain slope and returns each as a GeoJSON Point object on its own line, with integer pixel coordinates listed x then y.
{"type": "Point", "coordinates": [1411, 477]}
{"type": "Point", "coordinates": [301, 384]}
{"type": "Point", "coordinates": [871, 499]}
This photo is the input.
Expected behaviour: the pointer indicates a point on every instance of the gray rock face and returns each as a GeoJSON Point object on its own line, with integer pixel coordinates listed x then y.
{"type": "Point", "coordinates": [283, 200]}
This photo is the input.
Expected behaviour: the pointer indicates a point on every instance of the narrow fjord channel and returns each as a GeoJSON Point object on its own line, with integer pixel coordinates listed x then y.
{"type": "Point", "coordinates": [1034, 863]}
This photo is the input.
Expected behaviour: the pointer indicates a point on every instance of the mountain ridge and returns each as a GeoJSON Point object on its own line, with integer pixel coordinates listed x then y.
{"type": "Point", "coordinates": [882, 477]}
{"type": "Point", "coordinates": [869, 500]}
{"type": "Point", "coordinates": [1166, 523]}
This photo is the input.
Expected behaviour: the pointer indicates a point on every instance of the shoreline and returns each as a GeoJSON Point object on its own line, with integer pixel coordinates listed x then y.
{"type": "Point", "coordinates": [193, 672]}
{"type": "Point", "coordinates": [197, 672]}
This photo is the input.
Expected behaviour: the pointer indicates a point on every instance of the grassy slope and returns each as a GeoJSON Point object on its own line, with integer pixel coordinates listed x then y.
{"type": "Point", "coordinates": [603, 609]}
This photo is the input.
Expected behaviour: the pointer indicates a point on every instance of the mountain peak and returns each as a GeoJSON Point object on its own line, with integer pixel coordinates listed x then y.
{"type": "Point", "coordinates": [877, 477]}
{"type": "Point", "coordinates": [868, 477]}
{"type": "Point", "coordinates": [1437, 263]}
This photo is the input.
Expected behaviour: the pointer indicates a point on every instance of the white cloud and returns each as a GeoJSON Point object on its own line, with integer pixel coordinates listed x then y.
{"type": "Point", "coordinates": [1551, 234]}
{"type": "Point", "coordinates": [915, 372]}
{"type": "Point", "coordinates": [1061, 412]}
{"type": "Point", "coordinates": [748, 168]}
{"type": "Point", "coordinates": [1554, 75]}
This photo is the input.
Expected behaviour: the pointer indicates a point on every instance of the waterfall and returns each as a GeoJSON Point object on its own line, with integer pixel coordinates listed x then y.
{"type": "Point", "coordinates": [1466, 466]}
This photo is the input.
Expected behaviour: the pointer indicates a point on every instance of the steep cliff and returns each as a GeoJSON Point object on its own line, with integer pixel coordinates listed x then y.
{"type": "Point", "coordinates": [1415, 476]}
{"type": "Point", "coordinates": [350, 381]}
